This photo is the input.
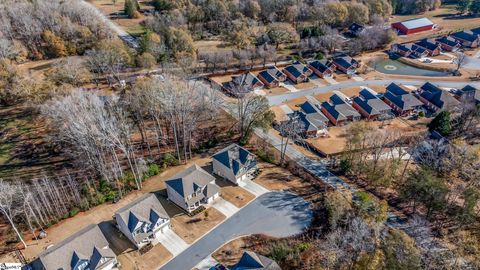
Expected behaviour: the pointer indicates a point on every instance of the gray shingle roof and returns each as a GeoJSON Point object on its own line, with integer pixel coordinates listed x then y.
{"type": "Point", "coordinates": [438, 97]}
{"type": "Point", "coordinates": [88, 244]}
{"type": "Point", "coordinates": [252, 261]}
{"type": "Point", "coordinates": [371, 103]}
{"type": "Point", "coordinates": [401, 98]}
{"type": "Point", "coordinates": [235, 157]}
{"type": "Point", "coordinates": [190, 180]}
{"type": "Point", "coordinates": [146, 208]}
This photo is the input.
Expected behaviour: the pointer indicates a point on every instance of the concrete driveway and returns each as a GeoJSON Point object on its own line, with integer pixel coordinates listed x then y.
{"type": "Point", "coordinates": [278, 214]}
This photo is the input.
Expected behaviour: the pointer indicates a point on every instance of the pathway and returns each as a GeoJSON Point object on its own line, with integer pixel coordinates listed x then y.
{"type": "Point", "coordinates": [253, 187]}
{"type": "Point", "coordinates": [225, 207]}
{"type": "Point", "coordinates": [126, 37]}
{"type": "Point", "coordinates": [172, 242]}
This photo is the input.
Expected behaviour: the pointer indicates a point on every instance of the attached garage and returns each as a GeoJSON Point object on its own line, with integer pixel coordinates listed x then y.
{"type": "Point", "coordinates": [414, 26]}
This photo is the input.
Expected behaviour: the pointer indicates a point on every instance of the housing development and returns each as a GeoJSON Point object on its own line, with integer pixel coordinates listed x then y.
{"type": "Point", "coordinates": [239, 134]}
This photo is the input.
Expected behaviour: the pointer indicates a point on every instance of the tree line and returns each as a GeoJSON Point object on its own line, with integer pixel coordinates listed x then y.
{"type": "Point", "coordinates": [43, 29]}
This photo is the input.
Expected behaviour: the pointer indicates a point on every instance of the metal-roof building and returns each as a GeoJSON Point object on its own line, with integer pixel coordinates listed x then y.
{"type": "Point", "coordinates": [413, 26]}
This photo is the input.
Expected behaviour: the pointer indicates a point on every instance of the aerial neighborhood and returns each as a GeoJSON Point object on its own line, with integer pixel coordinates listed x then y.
{"type": "Point", "coordinates": [239, 134]}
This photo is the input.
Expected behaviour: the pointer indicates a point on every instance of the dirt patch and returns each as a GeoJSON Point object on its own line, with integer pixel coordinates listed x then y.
{"type": "Point", "coordinates": [276, 90]}
{"type": "Point", "coordinates": [333, 144]}
{"type": "Point", "coordinates": [236, 195]}
{"type": "Point", "coordinates": [274, 177]}
{"type": "Point", "coordinates": [230, 253]}
{"type": "Point", "coordinates": [153, 259]}
{"type": "Point", "coordinates": [192, 228]}
{"type": "Point", "coordinates": [305, 85]}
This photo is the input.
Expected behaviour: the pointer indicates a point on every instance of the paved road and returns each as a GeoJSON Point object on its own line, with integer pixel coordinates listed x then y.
{"type": "Point", "coordinates": [126, 37]}
{"type": "Point", "coordinates": [278, 99]}
{"type": "Point", "coordinates": [277, 214]}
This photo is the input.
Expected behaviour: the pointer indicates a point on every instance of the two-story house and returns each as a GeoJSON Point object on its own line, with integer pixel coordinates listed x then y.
{"type": "Point", "coordinates": [143, 220]}
{"type": "Point", "coordinates": [192, 188]}
{"type": "Point", "coordinates": [234, 163]}
{"type": "Point", "coordinates": [86, 249]}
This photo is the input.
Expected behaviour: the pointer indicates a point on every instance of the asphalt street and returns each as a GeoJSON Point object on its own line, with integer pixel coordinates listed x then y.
{"type": "Point", "coordinates": [277, 214]}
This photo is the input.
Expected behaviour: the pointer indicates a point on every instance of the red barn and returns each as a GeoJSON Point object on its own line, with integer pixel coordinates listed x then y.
{"type": "Point", "coordinates": [413, 26]}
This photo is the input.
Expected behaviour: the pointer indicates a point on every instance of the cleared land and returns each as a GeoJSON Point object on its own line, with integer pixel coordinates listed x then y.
{"type": "Point", "coordinates": [192, 228]}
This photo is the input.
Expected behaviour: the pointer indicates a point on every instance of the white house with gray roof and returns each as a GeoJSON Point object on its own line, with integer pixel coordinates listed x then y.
{"type": "Point", "coordinates": [143, 220]}
{"type": "Point", "coordinates": [86, 249]}
{"type": "Point", "coordinates": [192, 188]}
{"type": "Point", "coordinates": [234, 163]}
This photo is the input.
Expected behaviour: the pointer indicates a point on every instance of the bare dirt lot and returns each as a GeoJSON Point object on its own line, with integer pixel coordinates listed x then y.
{"type": "Point", "coordinates": [235, 194]}
{"type": "Point", "coordinates": [192, 228]}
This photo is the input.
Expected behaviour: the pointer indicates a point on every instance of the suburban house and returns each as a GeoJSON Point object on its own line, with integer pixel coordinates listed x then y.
{"type": "Point", "coordinates": [370, 106]}
{"type": "Point", "coordinates": [468, 95]}
{"type": "Point", "coordinates": [234, 163]}
{"type": "Point", "coordinates": [402, 101]}
{"type": "Point", "coordinates": [314, 122]}
{"type": "Point", "coordinates": [409, 50]}
{"type": "Point", "coordinates": [252, 261]}
{"type": "Point", "coordinates": [356, 29]}
{"type": "Point", "coordinates": [467, 38]}
{"type": "Point", "coordinates": [338, 111]}
{"type": "Point", "coordinates": [86, 249]}
{"type": "Point", "coordinates": [449, 44]}
{"type": "Point", "coordinates": [346, 64]}
{"type": "Point", "coordinates": [192, 188]}
{"type": "Point", "coordinates": [432, 47]}
{"type": "Point", "coordinates": [297, 72]}
{"type": "Point", "coordinates": [322, 68]}
{"type": "Point", "coordinates": [437, 99]}
{"type": "Point", "coordinates": [271, 77]}
{"type": "Point", "coordinates": [242, 84]}
{"type": "Point", "coordinates": [413, 26]}
{"type": "Point", "coordinates": [143, 220]}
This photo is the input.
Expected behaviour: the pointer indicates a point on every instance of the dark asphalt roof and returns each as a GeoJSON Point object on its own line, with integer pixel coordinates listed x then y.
{"type": "Point", "coordinates": [271, 74]}
{"type": "Point", "coordinates": [370, 103]}
{"type": "Point", "coordinates": [87, 244]}
{"type": "Point", "coordinates": [321, 65]}
{"type": "Point", "coordinates": [476, 30]}
{"type": "Point", "coordinates": [190, 180]}
{"type": "Point", "coordinates": [401, 98]}
{"type": "Point", "coordinates": [339, 109]}
{"type": "Point", "coordinates": [438, 97]}
{"type": "Point", "coordinates": [448, 40]}
{"type": "Point", "coordinates": [465, 35]}
{"type": "Point", "coordinates": [253, 261]}
{"type": "Point", "coordinates": [293, 71]}
{"type": "Point", "coordinates": [311, 121]}
{"type": "Point", "coordinates": [309, 107]}
{"type": "Point", "coordinates": [428, 44]}
{"type": "Point", "coordinates": [345, 61]}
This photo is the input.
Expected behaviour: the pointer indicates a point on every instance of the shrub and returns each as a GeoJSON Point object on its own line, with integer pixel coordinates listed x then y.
{"type": "Point", "coordinates": [170, 160]}
{"type": "Point", "coordinates": [98, 199]}
{"type": "Point", "coordinates": [303, 247]}
{"type": "Point", "coordinates": [145, 60]}
{"type": "Point", "coordinates": [153, 169]}
{"type": "Point", "coordinates": [344, 165]}
{"type": "Point", "coordinates": [278, 252]}
{"type": "Point", "coordinates": [421, 114]}
{"type": "Point", "coordinates": [265, 156]}
{"type": "Point", "coordinates": [73, 212]}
